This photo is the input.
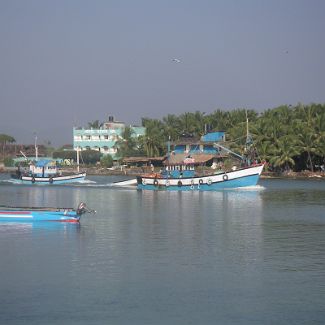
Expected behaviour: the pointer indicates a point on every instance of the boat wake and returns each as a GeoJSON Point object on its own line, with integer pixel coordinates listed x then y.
{"type": "Point", "coordinates": [11, 181]}
{"type": "Point", "coordinates": [86, 181]}
{"type": "Point", "coordinates": [248, 188]}
{"type": "Point", "coordinates": [118, 186]}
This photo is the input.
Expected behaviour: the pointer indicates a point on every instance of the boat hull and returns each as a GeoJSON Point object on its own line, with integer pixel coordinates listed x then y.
{"type": "Point", "coordinates": [244, 177]}
{"type": "Point", "coordinates": [27, 216]}
{"type": "Point", "coordinates": [52, 180]}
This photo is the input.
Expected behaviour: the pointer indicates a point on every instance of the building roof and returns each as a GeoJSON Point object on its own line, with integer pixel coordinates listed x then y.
{"type": "Point", "coordinates": [177, 159]}
{"type": "Point", "coordinates": [142, 159]}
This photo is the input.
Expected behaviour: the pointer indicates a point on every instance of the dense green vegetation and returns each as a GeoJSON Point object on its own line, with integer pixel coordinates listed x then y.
{"type": "Point", "coordinates": [106, 161]}
{"type": "Point", "coordinates": [88, 157]}
{"type": "Point", "coordinates": [286, 137]}
{"type": "Point", "coordinates": [4, 139]}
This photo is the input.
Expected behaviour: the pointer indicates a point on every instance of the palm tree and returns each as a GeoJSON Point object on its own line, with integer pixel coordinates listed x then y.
{"type": "Point", "coordinates": [285, 149]}
{"type": "Point", "coordinates": [127, 144]}
{"type": "Point", "coordinates": [154, 140]}
{"type": "Point", "coordinates": [172, 126]}
{"type": "Point", "coordinates": [218, 120]}
{"type": "Point", "coordinates": [308, 126]}
{"type": "Point", "coordinates": [95, 124]}
{"type": "Point", "coordinates": [264, 150]}
{"type": "Point", "coordinates": [4, 139]}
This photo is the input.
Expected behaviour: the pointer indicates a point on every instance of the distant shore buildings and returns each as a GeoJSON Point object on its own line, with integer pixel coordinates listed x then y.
{"type": "Point", "coordinates": [104, 139]}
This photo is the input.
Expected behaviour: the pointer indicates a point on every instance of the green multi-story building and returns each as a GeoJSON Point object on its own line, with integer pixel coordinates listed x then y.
{"type": "Point", "coordinates": [105, 139]}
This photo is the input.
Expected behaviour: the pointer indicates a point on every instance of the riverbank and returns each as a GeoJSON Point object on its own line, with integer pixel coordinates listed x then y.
{"type": "Point", "coordinates": [306, 174]}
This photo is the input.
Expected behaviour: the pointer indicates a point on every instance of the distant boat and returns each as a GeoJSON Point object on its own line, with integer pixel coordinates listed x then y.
{"type": "Point", "coordinates": [46, 172]}
{"type": "Point", "coordinates": [25, 214]}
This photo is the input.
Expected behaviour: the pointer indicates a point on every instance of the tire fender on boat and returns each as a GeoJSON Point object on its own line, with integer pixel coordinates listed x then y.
{"type": "Point", "coordinates": [167, 183]}
{"type": "Point", "coordinates": [155, 182]}
{"type": "Point", "coordinates": [143, 181]}
{"type": "Point", "coordinates": [209, 182]}
{"type": "Point", "coordinates": [192, 184]}
{"type": "Point", "coordinates": [200, 181]}
{"type": "Point", "coordinates": [225, 177]}
{"type": "Point", "coordinates": [51, 180]}
{"type": "Point", "coordinates": [33, 179]}
{"type": "Point", "coordinates": [179, 184]}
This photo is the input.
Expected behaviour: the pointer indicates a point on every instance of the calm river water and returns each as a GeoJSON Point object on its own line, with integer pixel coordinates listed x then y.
{"type": "Point", "coordinates": [253, 256]}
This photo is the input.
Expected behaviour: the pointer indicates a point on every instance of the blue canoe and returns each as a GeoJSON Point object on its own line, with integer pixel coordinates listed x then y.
{"type": "Point", "coordinates": [23, 214]}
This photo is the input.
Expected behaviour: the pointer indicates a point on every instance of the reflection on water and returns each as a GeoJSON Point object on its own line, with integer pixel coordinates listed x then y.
{"type": "Point", "coordinates": [244, 256]}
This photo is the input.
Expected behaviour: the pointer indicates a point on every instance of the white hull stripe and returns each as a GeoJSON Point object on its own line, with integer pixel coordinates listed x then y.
{"type": "Point", "coordinates": [15, 216]}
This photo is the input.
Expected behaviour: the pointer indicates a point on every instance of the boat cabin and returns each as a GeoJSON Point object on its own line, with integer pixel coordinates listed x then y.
{"type": "Point", "coordinates": [179, 171]}
{"type": "Point", "coordinates": [43, 168]}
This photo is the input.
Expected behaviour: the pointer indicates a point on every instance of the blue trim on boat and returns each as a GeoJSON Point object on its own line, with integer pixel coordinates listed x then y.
{"type": "Point", "coordinates": [56, 180]}
{"type": "Point", "coordinates": [23, 216]}
{"type": "Point", "coordinates": [243, 181]}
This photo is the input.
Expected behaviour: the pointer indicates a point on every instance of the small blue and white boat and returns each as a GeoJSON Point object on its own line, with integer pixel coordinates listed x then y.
{"type": "Point", "coordinates": [21, 214]}
{"type": "Point", "coordinates": [46, 172]}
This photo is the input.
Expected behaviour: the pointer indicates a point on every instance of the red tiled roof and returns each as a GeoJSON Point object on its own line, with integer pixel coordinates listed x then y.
{"type": "Point", "coordinates": [177, 159]}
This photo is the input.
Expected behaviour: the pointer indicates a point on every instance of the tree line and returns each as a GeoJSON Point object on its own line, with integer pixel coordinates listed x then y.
{"type": "Point", "coordinates": [286, 137]}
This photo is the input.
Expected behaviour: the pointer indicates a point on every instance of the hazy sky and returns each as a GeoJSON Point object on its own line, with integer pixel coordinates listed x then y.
{"type": "Point", "coordinates": [69, 62]}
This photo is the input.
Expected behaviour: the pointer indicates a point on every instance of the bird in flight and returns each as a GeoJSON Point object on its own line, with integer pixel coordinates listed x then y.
{"type": "Point", "coordinates": [176, 60]}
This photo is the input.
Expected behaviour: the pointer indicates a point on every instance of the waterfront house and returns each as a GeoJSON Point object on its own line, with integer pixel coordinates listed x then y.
{"type": "Point", "coordinates": [201, 149]}
{"type": "Point", "coordinates": [104, 139]}
{"type": "Point", "coordinates": [204, 145]}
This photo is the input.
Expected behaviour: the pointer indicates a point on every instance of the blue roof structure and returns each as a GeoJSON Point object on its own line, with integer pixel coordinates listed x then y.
{"type": "Point", "coordinates": [43, 163]}
{"type": "Point", "coordinates": [213, 136]}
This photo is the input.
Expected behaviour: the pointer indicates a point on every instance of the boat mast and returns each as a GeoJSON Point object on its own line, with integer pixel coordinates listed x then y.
{"type": "Point", "coordinates": [247, 132]}
{"type": "Point", "coordinates": [168, 147]}
{"type": "Point", "coordinates": [36, 148]}
{"type": "Point", "coordinates": [78, 159]}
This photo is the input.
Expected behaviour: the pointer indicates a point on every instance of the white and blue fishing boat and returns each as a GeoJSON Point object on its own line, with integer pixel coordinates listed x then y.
{"type": "Point", "coordinates": [185, 171]}
{"type": "Point", "coordinates": [183, 177]}
{"type": "Point", "coordinates": [27, 214]}
{"type": "Point", "coordinates": [45, 172]}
